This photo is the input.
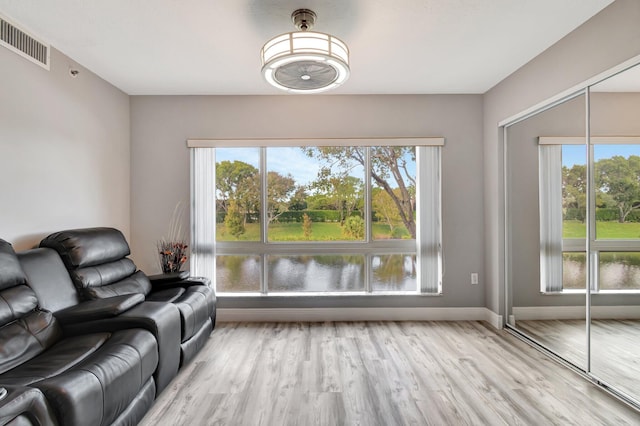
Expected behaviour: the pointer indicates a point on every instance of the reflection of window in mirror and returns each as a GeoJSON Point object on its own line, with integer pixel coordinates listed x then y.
{"type": "Point", "coordinates": [617, 191]}
{"type": "Point", "coordinates": [563, 202]}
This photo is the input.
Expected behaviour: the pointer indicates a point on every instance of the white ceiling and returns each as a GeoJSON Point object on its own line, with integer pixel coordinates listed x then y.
{"type": "Point", "coordinates": [152, 47]}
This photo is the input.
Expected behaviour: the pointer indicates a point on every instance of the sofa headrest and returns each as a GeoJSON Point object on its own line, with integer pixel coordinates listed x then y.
{"type": "Point", "coordinates": [80, 248]}
{"type": "Point", "coordinates": [11, 273]}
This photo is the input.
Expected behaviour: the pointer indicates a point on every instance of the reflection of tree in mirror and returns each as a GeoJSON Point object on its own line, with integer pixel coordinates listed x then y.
{"type": "Point", "coordinates": [574, 191]}
{"type": "Point", "coordinates": [618, 180]}
{"type": "Point", "coordinates": [617, 183]}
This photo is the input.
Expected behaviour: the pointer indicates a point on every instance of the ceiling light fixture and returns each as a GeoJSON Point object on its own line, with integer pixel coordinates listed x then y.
{"type": "Point", "coordinates": [305, 61]}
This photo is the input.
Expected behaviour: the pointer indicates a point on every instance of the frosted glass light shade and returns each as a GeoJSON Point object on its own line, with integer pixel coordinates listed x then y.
{"type": "Point", "coordinates": [305, 62]}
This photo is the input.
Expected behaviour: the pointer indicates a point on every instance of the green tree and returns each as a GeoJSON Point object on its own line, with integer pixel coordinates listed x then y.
{"type": "Point", "coordinates": [279, 190]}
{"type": "Point", "coordinates": [307, 226]}
{"type": "Point", "coordinates": [342, 192]}
{"type": "Point", "coordinates": [389, 170]}
{"type": "Point", "coordinates": [298, 201]}
{"type": "Point", "coordinates": [618, 179]}
{"type": "Point", "coordinates": [385, 208]}
{"type": "Point", "coordinates": [319, 201]}
{"type": "Point", "coordinates": [354, 227]}
{"type": "Point", "coordinates": [238, 181]}
{"type": "Point", "coordinates": [233, 220]}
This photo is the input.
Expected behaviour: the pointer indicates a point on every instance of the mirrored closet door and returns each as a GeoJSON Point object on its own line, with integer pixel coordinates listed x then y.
{"type": "Point", "coordinates": [572, 230]}
{"type": "Point", "coordinates": [546, 228]}
{"type": "Point", "coordinates": [615, 245]}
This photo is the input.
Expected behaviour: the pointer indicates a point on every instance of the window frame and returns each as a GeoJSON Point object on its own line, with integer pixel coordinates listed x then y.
{"type": "Point", "coordinates": [427, 247]}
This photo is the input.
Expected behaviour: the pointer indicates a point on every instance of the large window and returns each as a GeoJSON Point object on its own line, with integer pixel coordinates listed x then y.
{"type": "Point", "coordinates": [313, 219]}
{"type": "Point", "coordinates": [615, 214]}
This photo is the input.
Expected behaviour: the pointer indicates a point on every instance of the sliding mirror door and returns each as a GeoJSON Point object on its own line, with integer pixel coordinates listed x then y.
{"type": "Point", "coordinates": [545, 199]}
{"type": "Point", "coordinates": [615, 244]}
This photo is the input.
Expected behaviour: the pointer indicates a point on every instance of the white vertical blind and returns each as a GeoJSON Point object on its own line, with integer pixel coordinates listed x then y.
{"type": "Point", "coordinates": [203, 214]}
{"type": "Point", "coordinates": [550, 190]}
{"type": "Point", "coordinates": [429, 229]}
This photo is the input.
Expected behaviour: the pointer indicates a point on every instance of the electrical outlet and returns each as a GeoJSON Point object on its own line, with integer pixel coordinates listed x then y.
{"type": "Point", "coordinates": [474, 278]}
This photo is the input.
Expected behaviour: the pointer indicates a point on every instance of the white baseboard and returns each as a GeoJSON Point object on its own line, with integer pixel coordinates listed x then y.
{"type": "Point", "coordinates": [575, 312]}
{"type": "Point", "coordinates": [494, 319]}
{"type": "Point", "coordinates": [357, 314]}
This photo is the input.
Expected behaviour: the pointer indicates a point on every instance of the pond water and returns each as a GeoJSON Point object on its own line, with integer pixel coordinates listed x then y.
{"type": "Point", "coordinates": [618, 270]}
{"type": "Point", "coordinates": [316, 273]}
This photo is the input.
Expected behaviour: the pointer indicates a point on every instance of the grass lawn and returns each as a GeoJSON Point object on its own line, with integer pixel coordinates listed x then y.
{"type": "Point", "coordinates": [320, 231]}
{"type": "Point", "coordinates": [612, 230]}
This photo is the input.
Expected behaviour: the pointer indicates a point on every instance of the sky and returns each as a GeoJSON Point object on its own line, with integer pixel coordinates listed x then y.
{"type": "Point", "coordinates": [284, 160]}
{"type": "Point", "coordinates": [576, 154]}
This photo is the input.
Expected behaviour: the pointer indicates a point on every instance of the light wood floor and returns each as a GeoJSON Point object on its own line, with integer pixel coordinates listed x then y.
{"type": "Point", "coordinates": [615, 347]}
{"type": "Point", "coordinates": [378, 373]}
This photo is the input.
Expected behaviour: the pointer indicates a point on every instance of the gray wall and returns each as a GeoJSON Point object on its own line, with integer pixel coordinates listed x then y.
{"type": "Point", "coordinates": [161, 125]}
{"type": "Point", "coordinates": [64, 150]}
{"type": "Point", "coordinates": [609, 38]}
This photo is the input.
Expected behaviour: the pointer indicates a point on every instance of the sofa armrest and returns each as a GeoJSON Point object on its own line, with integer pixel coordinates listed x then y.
{"type": "Point", "coordinates": [21, 404]}
{"type": "Point", "coordinates": [98, 309]}
{"type": "Point", "coordinates": [177, 279]}
{"type": "Point", "coordinates": [168, 278]}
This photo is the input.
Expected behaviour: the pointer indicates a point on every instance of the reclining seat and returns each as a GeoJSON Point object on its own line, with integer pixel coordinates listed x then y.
{"type": "Point", "coordinates": [96, 259]}
{"type": "Point", "coordinates": [49, 279]}
{"type": "Point", "coordinates": [91, 379]}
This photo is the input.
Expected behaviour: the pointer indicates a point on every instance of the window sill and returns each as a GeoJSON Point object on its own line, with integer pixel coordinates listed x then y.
{"type": "Point", "coordinates": [574, 292]}
{"type": "Point", "coordinates": [328, 294]}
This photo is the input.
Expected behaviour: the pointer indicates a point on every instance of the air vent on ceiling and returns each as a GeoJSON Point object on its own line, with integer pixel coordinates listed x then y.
{"type": "Point", "coordinates": [23, 44]}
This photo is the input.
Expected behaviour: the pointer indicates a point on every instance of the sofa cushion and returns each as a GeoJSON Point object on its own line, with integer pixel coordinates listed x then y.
{"type": "Point", "coordinates": [59, 358]}
{"type": "Point", "coordinates": [49, 279]}
{"type": "Point", "coordinates": [15, 303]}
{"type": "Point", "coordinates": [11, 273]}
{"type": "Point", "coordinates": [104, 274]}
{"type": "Point", "coordinates": [26, 338]}
{"type": "Point", "coordinates": [80, 248]}
{"type": "Point", "coordinates": [99, 389]}
{"type": "Point", "coordinates": [136, 283]}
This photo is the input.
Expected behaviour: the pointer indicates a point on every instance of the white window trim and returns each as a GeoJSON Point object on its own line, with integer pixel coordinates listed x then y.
{"type": "Point", "coordinates": [291, 142]}
{"type": "Point", "coordinates": [427, 247]}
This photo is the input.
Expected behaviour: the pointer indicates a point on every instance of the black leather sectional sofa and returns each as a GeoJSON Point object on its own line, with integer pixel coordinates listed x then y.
{"type": "Point", "coordinates": [86, 338]}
